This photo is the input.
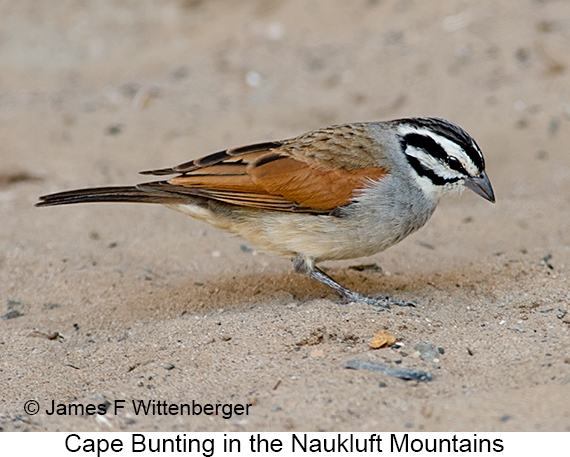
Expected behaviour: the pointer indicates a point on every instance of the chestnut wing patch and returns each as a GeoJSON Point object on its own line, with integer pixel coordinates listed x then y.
{"type": "Point", "coordinates": [276, 181]}
{"type": "Point", "coordinates": [310, 186]}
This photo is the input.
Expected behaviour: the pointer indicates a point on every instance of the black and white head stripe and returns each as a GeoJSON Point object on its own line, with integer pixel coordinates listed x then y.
{"type": "Point", "coordinates": [440, 150]}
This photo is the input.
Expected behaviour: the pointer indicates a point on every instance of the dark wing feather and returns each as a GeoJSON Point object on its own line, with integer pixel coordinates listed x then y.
{"type": "Point", "coordinates": [214, 158]}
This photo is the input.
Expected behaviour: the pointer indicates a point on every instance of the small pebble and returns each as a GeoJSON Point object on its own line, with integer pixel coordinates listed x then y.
{"type": "Point", "coordinates": [114, 129]}
{"type": "Point", "coordinates": [253, 79]}
{"type": "Point", "coordinates": [402, 373]}
{"type": "Point", "coordinates": [427, 351]}
{"type": "Point", "coordinates": [48, 306]}
{"type": "Point", "coordinates": [12, 315]}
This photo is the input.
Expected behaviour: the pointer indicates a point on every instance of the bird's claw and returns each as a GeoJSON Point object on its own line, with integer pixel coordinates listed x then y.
{"type": "Point", "coordinates": [381, 303]}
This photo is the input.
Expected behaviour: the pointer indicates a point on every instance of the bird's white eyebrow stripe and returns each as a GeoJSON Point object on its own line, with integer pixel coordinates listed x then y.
{"type": "Point", "coordinates": [447, 132]}
{"type": "Point", "coordinates": [438, 146]}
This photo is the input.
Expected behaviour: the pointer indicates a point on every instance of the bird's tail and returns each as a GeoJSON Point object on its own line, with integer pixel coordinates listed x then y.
{"type": "Point", "coordinates": [132, 194]}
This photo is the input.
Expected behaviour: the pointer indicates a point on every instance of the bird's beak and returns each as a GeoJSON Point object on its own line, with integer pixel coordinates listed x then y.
{"type": "Point", "coordinates": [481, 186]}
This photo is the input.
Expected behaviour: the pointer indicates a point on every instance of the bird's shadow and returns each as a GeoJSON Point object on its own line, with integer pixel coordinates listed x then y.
{"type": "Point", "coordinates": [246, 290]}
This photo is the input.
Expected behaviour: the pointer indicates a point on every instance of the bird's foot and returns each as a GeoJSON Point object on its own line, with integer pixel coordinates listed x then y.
{"type": "Point", "coordinates": [301, 266]}
{"type": "Point", "coordinates": [378, 302]}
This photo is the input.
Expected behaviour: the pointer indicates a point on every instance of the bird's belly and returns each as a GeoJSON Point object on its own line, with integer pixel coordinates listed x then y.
{"type": "Point", "coordinates": [320, 237]}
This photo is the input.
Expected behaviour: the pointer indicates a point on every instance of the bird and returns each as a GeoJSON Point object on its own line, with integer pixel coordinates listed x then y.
{"type": "Point", "coordinates": [334, 193]}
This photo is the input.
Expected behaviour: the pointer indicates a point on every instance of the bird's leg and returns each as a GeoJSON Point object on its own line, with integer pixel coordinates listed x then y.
{"type": "Point", "coordinates": [301, 266]}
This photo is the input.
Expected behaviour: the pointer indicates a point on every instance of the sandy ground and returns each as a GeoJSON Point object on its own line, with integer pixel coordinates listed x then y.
{"type": "Point", "coordinates": [120, 302]}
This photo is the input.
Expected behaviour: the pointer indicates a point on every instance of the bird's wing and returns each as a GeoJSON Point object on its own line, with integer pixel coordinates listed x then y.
{"type": "Point", "coordinates": [316, 173]}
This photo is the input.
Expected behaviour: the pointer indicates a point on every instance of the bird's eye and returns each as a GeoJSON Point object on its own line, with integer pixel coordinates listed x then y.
{"type": "Point", "coordinates": [454, 164]}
